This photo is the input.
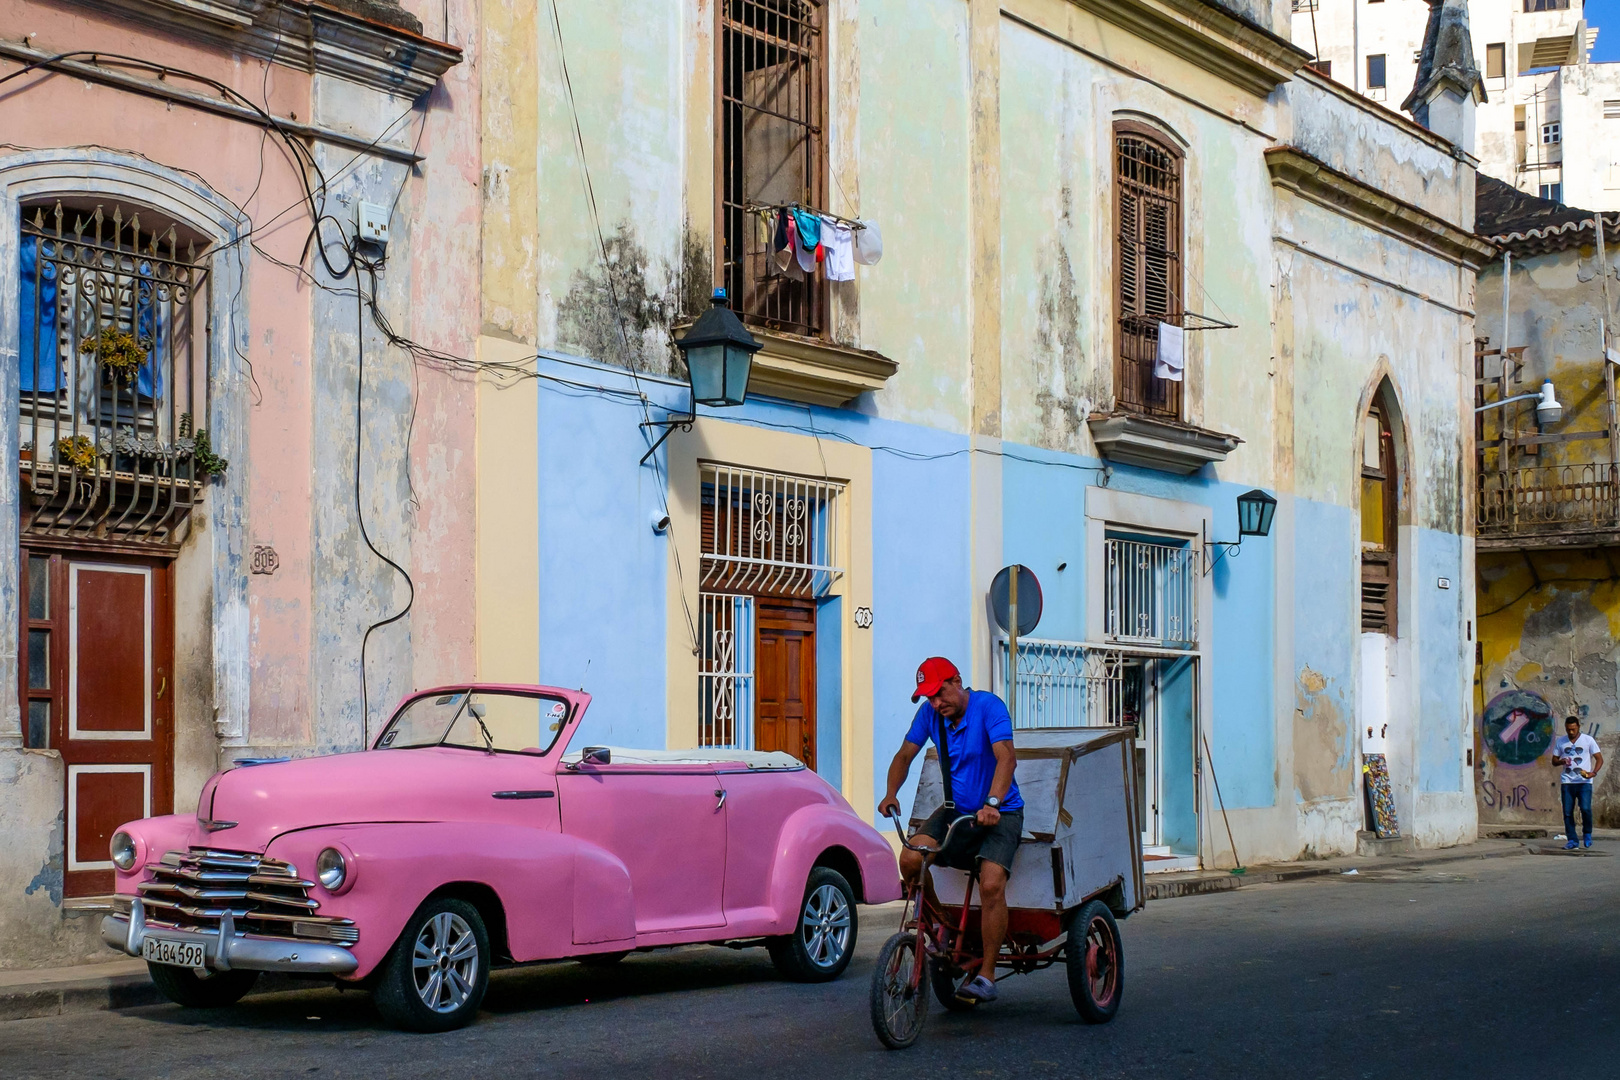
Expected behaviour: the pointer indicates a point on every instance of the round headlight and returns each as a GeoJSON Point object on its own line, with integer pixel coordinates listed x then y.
{"type": "Point", "coordinates": [123, 850]}
{"type": "Point", "coordinates": [330, 869]}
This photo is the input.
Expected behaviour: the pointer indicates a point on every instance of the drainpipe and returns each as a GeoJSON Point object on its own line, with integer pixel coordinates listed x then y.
{"type": "Point", "coordinates": [1603, 344]}
{"type": "Point", "coordinates": [1355, 45]}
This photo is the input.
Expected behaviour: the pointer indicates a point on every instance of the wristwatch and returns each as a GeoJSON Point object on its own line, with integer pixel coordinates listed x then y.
{"type": "Point", "coordinates": [993, 803]}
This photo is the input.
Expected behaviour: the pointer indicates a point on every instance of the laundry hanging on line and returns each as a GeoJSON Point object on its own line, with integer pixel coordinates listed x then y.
{"type": "Point", "coordinates": [1171, 358]}
{"type": "Point", "coordinates": [800, 240]}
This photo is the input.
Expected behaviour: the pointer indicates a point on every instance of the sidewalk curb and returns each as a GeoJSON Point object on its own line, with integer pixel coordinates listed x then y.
{"type": "Point", "coordinates": [80, 995]}
{"type": "Point", "coordinates": [1201, 882]}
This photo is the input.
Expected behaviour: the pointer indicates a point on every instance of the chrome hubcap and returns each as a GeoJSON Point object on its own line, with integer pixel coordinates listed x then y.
{"type": "Point", "coordinates": [445, 962]}
{"type": "Point", "coordinates": [824, 926]}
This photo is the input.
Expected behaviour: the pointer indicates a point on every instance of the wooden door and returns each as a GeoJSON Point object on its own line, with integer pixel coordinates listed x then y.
{"type": "Point", "coordinates": [96, 687]}
{"type": "Point", "coordinates": [785, 678]}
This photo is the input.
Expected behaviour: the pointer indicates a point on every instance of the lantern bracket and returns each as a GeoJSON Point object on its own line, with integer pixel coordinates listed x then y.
{"type": "Point", "coordinates": [1233, 548]}
{"type": "Point", "coordinates": [669, 424]}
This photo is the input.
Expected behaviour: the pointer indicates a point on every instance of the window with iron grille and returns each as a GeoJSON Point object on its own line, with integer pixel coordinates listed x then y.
{"type": "Point", "coordinates": [773, 152]}
{"type": "Point", "coordinates": [1147, 188]}
{"type": "Point", "coordinates": [1380, 497]}
{"type": "Point", "coordinates": [113, 375]}
{"type": "Point", "coordinates": [1150, 592]}
{"type": "Point", "coordinates": [762, 534]}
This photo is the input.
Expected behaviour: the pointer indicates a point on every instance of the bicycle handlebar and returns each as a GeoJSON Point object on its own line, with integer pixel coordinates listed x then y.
{"type": "Point", "coordinates": [899, 827]}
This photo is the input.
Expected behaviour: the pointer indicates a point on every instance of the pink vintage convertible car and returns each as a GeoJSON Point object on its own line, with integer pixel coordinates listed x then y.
{"type": "Point", "coordinates": [467, 838]}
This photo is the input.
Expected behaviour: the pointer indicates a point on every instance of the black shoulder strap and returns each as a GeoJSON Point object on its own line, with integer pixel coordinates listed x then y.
{"type": "Point", "coordinates": [943, 745]}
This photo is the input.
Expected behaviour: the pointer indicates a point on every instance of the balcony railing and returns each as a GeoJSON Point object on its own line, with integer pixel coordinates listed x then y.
{"type": "Point", "coordinates": [1549, 500]}
{"type": "Point", "coordinates": [1062, 684]}
{"type": "Point", "coordinates": [1151, 593]}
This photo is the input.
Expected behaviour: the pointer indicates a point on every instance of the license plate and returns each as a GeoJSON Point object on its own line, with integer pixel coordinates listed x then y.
{"type": "Point", "coordinates": [179, 953]}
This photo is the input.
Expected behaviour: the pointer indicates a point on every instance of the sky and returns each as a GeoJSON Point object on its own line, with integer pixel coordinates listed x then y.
{"type": "Point", "coordinates": [1605, 15]}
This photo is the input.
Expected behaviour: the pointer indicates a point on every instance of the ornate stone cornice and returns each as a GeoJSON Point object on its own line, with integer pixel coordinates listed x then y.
{"type": "Point", "coordinates": [355, 42]}
{"type": "Point", "coordinates": [1311, 179]}
{"type": "Point", "coordinates": [1242, 52]}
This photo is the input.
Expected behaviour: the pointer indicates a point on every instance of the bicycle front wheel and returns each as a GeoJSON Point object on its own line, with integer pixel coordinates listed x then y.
{"type": "Point", "coordinates": [899, 992]}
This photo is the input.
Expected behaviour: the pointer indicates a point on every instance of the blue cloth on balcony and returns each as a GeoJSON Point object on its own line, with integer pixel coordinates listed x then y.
{"type": "Point", "coordinates": [38, 302]}
{"type": "Point", "coordinates": [39, 326]}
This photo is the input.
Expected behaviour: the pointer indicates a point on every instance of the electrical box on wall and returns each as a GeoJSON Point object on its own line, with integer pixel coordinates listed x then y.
{"type": "Point", "coordinates": [372, 222]}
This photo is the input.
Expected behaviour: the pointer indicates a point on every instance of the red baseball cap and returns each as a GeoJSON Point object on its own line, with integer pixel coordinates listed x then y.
{"type": "Point", "coordinates": [932, 673]}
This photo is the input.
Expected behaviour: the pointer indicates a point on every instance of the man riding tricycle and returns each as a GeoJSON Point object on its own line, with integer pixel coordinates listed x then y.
{"type": "Point", "coordinates": [1004, 879]}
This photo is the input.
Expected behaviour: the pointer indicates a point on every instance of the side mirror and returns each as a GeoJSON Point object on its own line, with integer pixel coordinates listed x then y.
{"type": "Point", "coordinates": [596, 755]}
{"type": "Point", "coordinates": [478, 710]}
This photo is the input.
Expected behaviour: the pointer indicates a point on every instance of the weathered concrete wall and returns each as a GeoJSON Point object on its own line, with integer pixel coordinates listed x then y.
{"type": "Point", "coordinates": [269, 663]}
{"type": "Point", "coordinates": [981, 141]}
{"type": "Point", "coordinates": [1547, 628]}
{"type": "Point", "coordinates": [1548, 619]}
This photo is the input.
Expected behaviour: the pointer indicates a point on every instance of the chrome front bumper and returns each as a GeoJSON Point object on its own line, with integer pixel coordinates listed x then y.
{"type": "Point", "coordinates": [226, 950]}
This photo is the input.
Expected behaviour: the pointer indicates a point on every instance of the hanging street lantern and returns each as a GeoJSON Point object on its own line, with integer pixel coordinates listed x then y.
{"type": "Point", "coordinates": [719, 354]}
{"type": "Point", "coordinates": [1255, 511]}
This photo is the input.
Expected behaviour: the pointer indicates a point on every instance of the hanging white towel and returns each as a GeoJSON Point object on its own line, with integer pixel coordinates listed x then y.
{"type": "Point", "coordinates": [868, 243]}
{"type": "Point", "coordinates": [1171, 358]}
{"type": "Point", "coordinates": [839, 242]}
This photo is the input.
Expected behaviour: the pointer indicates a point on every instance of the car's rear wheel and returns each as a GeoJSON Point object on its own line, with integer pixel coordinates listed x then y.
{"type": "Point", "coordinates": [216, 991]}
{"type": "Point", "coordinates": [824, 939]}
{"type": "Point", "coordinates": [436, 974]}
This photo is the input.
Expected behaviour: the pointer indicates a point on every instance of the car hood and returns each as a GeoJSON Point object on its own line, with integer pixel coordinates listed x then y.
{"type": "Point", "coordinates": [427, 784]}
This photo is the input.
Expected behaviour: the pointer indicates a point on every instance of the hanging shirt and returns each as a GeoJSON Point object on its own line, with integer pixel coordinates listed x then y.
{"type": "Point", "coordinates": [787, 259]}
{"type": "Point", "coordinates": [973, 761]}
{"type": "Point", "coordinates": [1170, 360]}
{"type": "Point", "coordinates": [1577, 756]}
{"type": "Point", "coordinates": [810, 252]}
{"type": "Point", "coordinates": [839, 241]}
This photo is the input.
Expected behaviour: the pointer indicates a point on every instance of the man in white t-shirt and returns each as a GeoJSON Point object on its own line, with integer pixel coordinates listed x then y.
{"type": "Point", "coordinates": [1580, 758]}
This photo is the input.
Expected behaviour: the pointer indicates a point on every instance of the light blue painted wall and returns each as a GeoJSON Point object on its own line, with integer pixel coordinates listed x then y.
{"type": "Point", "coordinates": [601, 566]}
{"type": "Point", "coordinates": [1043, 525]}
{"type": "Point", "coordinates": [830, 690]}
{"type": "Point", "coordinates": [1441, 648]}
{"type": "Point", "coordinates": [1326, 606]}
{"type": "Point", "coordinates": [920, 585]}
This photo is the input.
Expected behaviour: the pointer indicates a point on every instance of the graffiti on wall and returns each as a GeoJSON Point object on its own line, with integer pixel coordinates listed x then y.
{"type": "Point", "coordinates": [1518, 727]}
{"type": "Point", "coordinates": [1500, 798]}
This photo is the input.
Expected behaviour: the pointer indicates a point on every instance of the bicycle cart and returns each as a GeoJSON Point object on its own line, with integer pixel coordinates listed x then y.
{"type": "Point", "coordinates": [1077, 872]}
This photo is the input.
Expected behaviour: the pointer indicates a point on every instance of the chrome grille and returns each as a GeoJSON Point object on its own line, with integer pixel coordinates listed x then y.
{"type": "Point", "coordinates": [193, 889]}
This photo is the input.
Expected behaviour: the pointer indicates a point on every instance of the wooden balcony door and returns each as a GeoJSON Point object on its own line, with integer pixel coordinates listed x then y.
{"type": "Point", "coordinates": [785, 678]}
{"type": "Point", "coordinates": [97, 688]}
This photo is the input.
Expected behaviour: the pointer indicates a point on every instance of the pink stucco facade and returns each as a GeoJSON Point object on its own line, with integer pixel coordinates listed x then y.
{"type": "Point", "coordinates": [263, 662]}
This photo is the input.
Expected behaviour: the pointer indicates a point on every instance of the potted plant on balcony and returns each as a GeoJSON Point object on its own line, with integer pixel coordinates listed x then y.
{"type": "Point", "coordinates": [121, 354]}
{"type": "Point", "coordinates": [77, 451]}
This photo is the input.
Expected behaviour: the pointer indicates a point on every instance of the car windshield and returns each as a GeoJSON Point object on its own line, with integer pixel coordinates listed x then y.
{"type": "Point", "coordinates": [478, 720]}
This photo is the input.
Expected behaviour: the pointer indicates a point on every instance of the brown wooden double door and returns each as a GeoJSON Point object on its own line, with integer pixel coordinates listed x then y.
{"type": "Point", "coordinates": [96, 686]}
{"type": "Point", "coordinates": [785, 677]}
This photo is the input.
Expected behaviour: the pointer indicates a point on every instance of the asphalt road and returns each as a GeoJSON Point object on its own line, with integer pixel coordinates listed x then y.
{"type": "Point", "coordinates": [1493, 968]}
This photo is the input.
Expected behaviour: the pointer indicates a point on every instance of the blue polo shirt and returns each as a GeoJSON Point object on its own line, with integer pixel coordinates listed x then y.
{"type": "Point", "coordinates": [973, 763]}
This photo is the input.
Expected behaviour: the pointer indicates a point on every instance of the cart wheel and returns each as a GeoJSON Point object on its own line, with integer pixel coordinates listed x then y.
{"type": "Point", "coordinates": [946, 983]}
{"type": "Point", "coordinates": [899, 1003]}
{"type": "Point", "coordinates": [1096, 961]}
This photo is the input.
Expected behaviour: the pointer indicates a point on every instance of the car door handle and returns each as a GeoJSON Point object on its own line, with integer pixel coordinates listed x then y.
{"type": "Point", "coordinates": [720, 793]}
{"type": "Point", "coordinates": [525, 794]}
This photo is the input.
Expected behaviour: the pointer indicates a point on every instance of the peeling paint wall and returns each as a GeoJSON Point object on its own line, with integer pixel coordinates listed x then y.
{"type": "Point", "coordinates": [979, 137]}
{"type": "Point", "coordinates": [1548, 619]}
{"type": "Point", "coordinates": [269, 663]}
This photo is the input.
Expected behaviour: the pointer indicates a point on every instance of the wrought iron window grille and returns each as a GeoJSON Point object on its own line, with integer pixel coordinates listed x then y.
{"type": "Point", "coordinates": [113, 371]}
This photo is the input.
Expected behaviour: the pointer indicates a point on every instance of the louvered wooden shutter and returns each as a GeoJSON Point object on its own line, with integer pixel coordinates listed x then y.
{"type": "Point", "coordinates": [1377, 593]}
{"type": "Point", "coordinates": [1130, 268]}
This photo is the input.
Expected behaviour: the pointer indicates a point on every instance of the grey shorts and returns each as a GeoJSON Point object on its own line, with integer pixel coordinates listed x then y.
{"type": "Point", "coordinates": [971, 842]}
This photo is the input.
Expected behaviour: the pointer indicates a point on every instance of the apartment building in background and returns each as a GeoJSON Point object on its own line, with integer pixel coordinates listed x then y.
{"type": "Point", "coordinates": [1550, 121]}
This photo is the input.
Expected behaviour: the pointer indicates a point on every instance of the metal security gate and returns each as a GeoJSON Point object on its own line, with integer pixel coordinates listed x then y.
{"type": "Point", "coordinates": [769, 552]}
{"type": "Point", "coordinates": [113, 378]}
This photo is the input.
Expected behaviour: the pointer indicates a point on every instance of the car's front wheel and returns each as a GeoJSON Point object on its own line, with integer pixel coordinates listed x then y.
{"type": "Point", "coordinates": [185, 987]}
{"type": "Point", "coordinates": [436, 974]}
{"type": "Point", "coordinates": [823, 941]}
